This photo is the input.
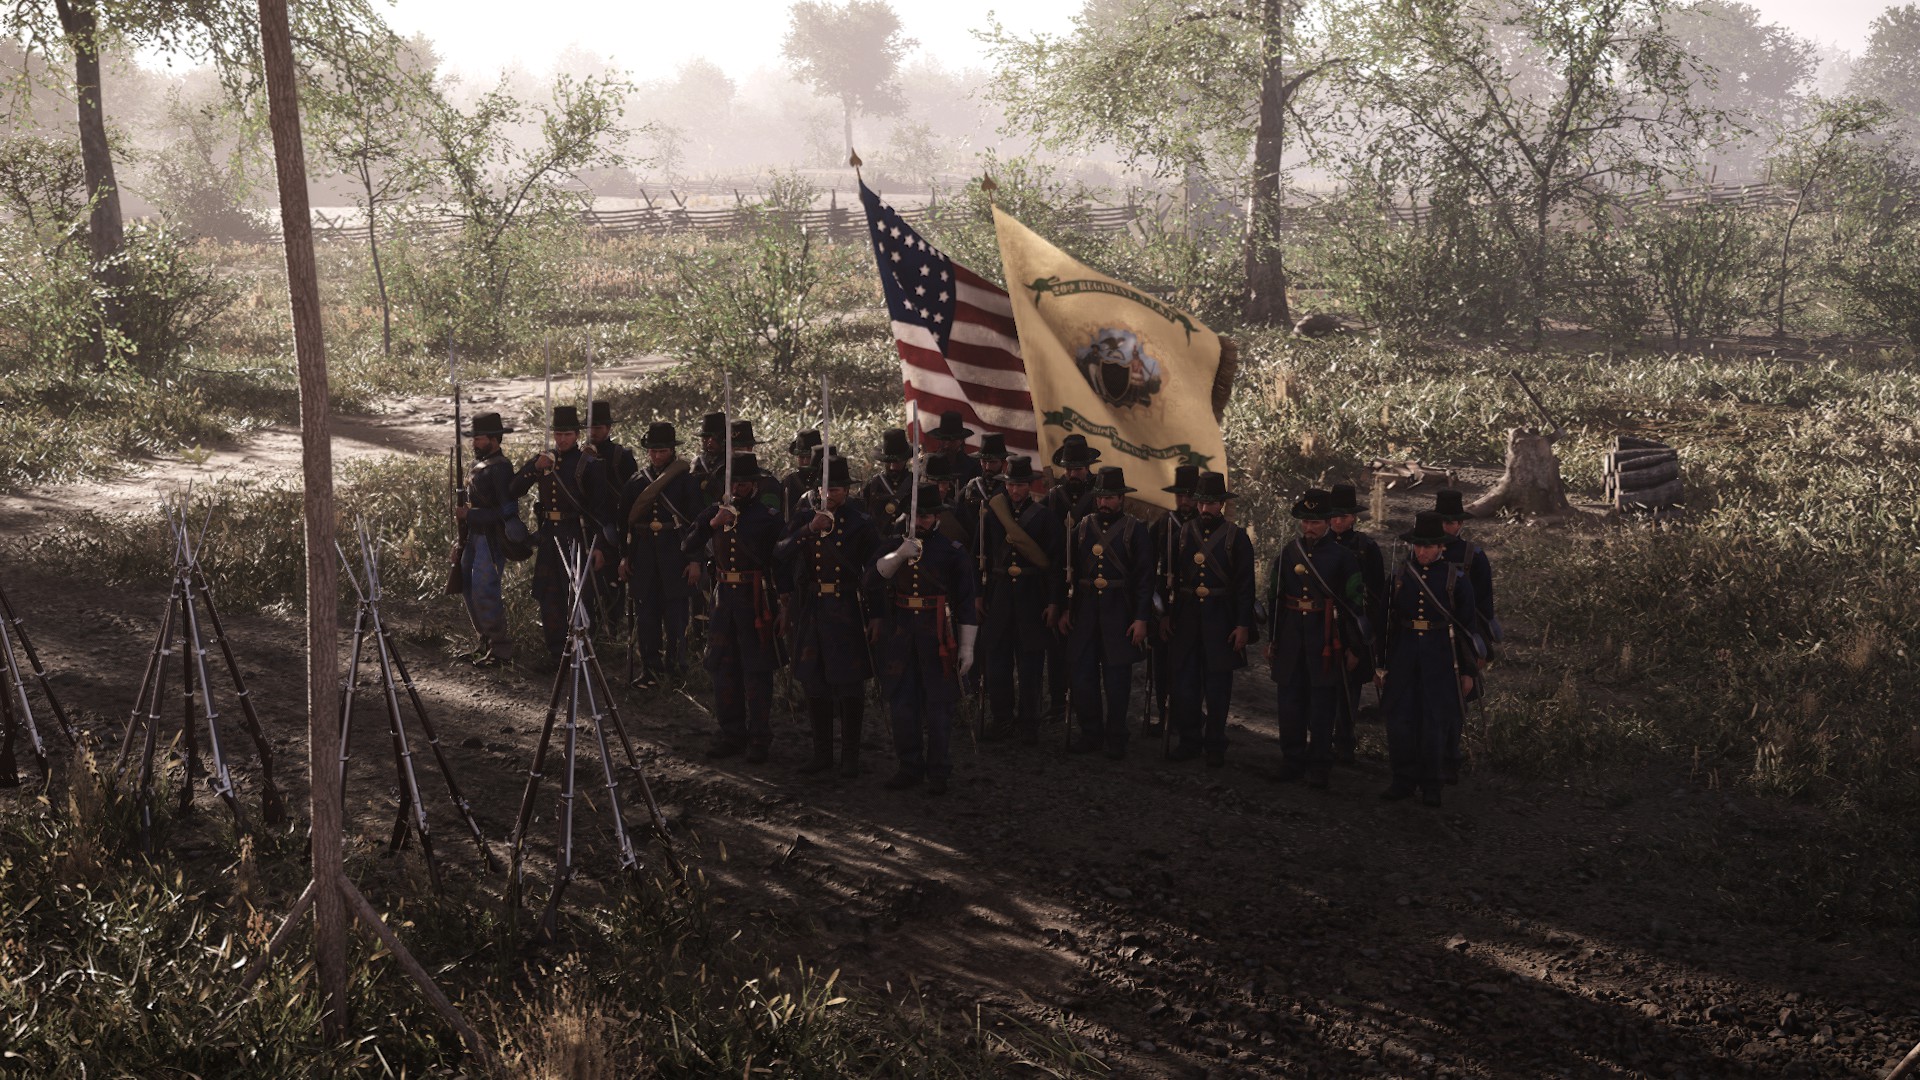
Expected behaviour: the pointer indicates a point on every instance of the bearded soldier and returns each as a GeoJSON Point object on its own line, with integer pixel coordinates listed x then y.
{"type": "Point", "coordinates": [1425, 661]}
{"type": "Point", "coordinates": [574, 506]}
{"type": "Point", "coordinates": [1471, 559]}
{"type": "Point", "coordinates": [738, 543]}
{"type": "Point", "coordinates": [795, 485]}
{"type": "Point", "coordinates": [886, 492]}
{"type": "Point", "coordinates": [1105, 622]}
{"type": "Point", "coordinates": [974, 493]}
{"type": "Point", "coordinates": [620, 465]}
{"type": "Point", "coordinates": [711, 464]}
{"type": "Point", "coordinates": [656, 511]}
{"type": "Point", "coordinates": [1373, 572]}
{"type": "Point", "coordinates": [1210, 621]}
{"type": "Point", "coordinates": [950, 520]}
{"type": "Point", "coordinates": [490, 503]}
{"type": "Point", "coordinates": [1164, 535]}
{"type": "Point", "coordinates": [950, 442]}
{"type": "Point", "coordinates": [826, 553]}
{"type": "Point", "coordinates": [1314, 645]}
{"type": "Point", "coordinates": [923, 627]}
{"type": "Point", "coordinates": [1070, 498]}
{"type": "Point", "coordinates": [1026, 585]}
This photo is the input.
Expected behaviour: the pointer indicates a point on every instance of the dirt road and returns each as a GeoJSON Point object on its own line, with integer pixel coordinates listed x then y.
{"type": "Point", "coordinates": [1177, 921]}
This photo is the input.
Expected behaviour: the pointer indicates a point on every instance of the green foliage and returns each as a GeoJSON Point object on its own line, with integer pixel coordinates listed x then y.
{"type": "Point", "coordinates": [756, 304]}
{"type": "Point", "coordinates": [1522, 108]}
{"type": "Point", "coordinates": [202, 180]}
{"type": "Point", "coordinates": [171, 297]}
{"type": "Point", "coordinates": [1883, 285]}
{"type": "Point", "coordinates": [515, 209]}
{"type": "Point", "coordinates": [1451, 273]}
{"type": "Point", "coordinates": [1700, 266]}
{"type": "Point", "coordinates": [41, 182]}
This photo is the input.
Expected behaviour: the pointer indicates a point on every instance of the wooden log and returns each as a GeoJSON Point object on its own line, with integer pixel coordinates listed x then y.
{"type": "Point", "coordinates": [1654, 498]}
{"type": "Point", "coordinates": [1531, 483]}
{"type": "Point", "coordinates": [1651, 476]}
{"type": "Point", "coordinates": [1625, 458]}
{"type": "Point", "coordinates": [1631, 442]}
{"type": "Point", "coordinates": [1647, 460]}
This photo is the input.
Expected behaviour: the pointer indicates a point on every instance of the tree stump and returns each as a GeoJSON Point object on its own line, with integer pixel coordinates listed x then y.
{"type": "Point", "coordinates": [1531, 484]}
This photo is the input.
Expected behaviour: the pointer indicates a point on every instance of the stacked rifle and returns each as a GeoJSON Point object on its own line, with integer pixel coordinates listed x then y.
{"type": "Point", "coordinates": [16, 708]}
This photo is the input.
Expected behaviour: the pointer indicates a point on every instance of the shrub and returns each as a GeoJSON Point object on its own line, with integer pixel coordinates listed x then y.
{"type": "Point", "coordinates": [170, 298]}
{"type": "Point", "coordinates": [1450, 272]}
{"type": "Point", "coordinates": [1705, 267]}
{"type": "Point", "coordinates": [1882, 285]}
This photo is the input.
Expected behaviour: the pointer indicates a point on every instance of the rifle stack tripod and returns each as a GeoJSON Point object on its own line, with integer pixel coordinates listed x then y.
{"type": "Point", "coordinates": [370, 633]}
{"type": "Point", "coordinates": [15, 707]}
{"type": "Point", "coordinates": [189, 604]}
{"type": "Point", "coordinates": [580, 686]}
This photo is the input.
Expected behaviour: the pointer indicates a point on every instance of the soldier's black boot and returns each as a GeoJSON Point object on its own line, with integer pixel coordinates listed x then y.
{"type": "Point", "coordinates": [820, 712]}
{"type": "Point", "coordinates": [852, 714]}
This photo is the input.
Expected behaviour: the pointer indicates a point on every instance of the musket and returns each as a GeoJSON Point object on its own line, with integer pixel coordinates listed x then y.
{"type": "Point", "coordinates": [826, 442]}
{"type": "Point", "coordinates": [457, 574]}
{"type": "Point", "coordinates": [547, 421]}
{"type": "Point", "coordinates": [726, 482]}
{"type": "Point", "coordinates": [913, 472]}
{"type": "Point", "coordinates": [589, 447]}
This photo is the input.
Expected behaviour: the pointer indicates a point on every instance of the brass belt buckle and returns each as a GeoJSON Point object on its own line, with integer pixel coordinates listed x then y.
{"type": "Point", "coordinates": [656, 526]}
{"type": "Point", "coordinates": [1013, 571]}
{"type": "Point", "coordinates": [1202, 592]}
{"type": "Point", "coordinates": [1099, 583]}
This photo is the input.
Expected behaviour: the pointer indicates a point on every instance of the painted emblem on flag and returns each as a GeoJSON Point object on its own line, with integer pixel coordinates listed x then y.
{"type": "Point", "coordinates": [1116, 365]}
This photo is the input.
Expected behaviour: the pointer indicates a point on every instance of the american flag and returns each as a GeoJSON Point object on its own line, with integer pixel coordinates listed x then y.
{"type": "Point", "coordinates": [954, 329]}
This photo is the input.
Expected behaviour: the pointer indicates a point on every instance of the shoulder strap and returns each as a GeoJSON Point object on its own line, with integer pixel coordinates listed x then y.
{"type": "Point", "coordinates": [1017, 536]}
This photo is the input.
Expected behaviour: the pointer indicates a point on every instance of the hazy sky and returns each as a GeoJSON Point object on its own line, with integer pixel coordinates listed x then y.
{"type": "Point", "coordinates": [651, 38]}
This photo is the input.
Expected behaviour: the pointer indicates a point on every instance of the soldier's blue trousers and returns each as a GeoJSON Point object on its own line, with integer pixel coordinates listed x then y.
{"type": "Point", "coordinates": [1201, 698]}
{"type": "Point", "coordinates": [1307, 715]}
{"type": "Point", "coordinates": [659, 621]}
{"type": "Point", "coordinates": [922, 728]}
{"type": "Point", "coordinates": [485, 607]}
{"type": "Point", "coordinates": [1101, 693]}
{"type": "Point", "coordinates": [1421, 728]}
{"type": "Point", "coordinates": [1003, 662]}
{"type": "Point", "coordinates": [550, 592]}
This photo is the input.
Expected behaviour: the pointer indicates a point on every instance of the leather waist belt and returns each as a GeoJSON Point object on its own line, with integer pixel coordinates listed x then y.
{"type": "Point", "coordinates": [828, 588]}
{"type": "Point", "coordinates": [1422, 624]}
{"type": "Point", "coordinates": [1300, 604]}
{"type": "Point", "coordinates": [559, 515]}
{"type": "Point", "coordinates": [743, 577]}
{"type": "Point", "coordinates": [656, 526]}
{"type": "Point", "coordinates": [919, 603]}
{"type": "Point", "coordinates": [1097, 582]}
{"type": "Point", "coordinates": [1009, 571]}
{"type": "Point", "coordinates": [1199, 592]}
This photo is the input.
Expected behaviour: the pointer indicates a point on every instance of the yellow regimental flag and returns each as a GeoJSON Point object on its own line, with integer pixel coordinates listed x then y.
{"type": "Point", "coordinates": [1144, 382]}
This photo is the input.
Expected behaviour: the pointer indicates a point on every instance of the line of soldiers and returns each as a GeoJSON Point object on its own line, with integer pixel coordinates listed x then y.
{"type": "Point", "coordinates": [1065, 591]}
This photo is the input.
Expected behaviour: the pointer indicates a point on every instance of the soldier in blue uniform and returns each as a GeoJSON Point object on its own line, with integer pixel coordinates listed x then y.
{"type": "Point", "coordinates": [620, 465]}
{"type": "Point", "coordinates": [711, 463]}
{"type": "Point", "coordinates": [1314, 643]}
{"type": "Point", "coordinates": [1425, 661]}
{"type": "Point", "coordinates": [1373, 572]}
{"type": "Point", "coordinates": [825, 554]}
{"type": "Point", "coordinates": [1070, 498]}
{"type": "Point", "coordinates": [1026, 586]}
{"type": "Point", "coordinates": [951, 521]}
{"type": "Point", "coordinates": [1210, 621]}
{"type": "Point", "coordinates": [1164, 535]}
{"type": "Point", "coordinates": [490, 503]}
{"type": "Point", "coordinates": [921, 597]}
{"type": "Point", "coordinates": [886, 492]}
{"type": "Point", "coordinates": [950, 442]}
{"type": "Point", "coordinates": [574, 506]}
{"type": "Point", "coordinates": [656, 510]}
{"type": "Point", "coordinates": [1472, 561]}
{"type": "Point", "coordinates": [737, 541]}
{"type": "Point", "coordinates": [795, 485]}
{"type": "Point", "coordinates": [1105, 622]}
{"type": "Point", "coordinates": [992, 460]}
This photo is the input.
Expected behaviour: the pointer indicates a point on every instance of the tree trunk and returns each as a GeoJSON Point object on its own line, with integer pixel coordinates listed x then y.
{"type": "Point", "coordinates": [1266, 300]}
{"type": "Point", "coordinates": [1531, 484]}
{"type": "Point", "coordinates": [373, 248]}
{"type": "Point", "coordinates": [846, 118]}
{"type": "Point", "coordinates": [316, 459]}
{"type": "Point", "coordinates": [106, 232]}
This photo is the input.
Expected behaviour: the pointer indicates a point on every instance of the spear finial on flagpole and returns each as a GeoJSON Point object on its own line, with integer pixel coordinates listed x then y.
{"type": "Point", "coordinates": [853, 159]}
{"type": "Point", "coordinates": [987, 185]}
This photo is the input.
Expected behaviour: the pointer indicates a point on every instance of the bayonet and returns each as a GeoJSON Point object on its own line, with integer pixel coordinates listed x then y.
{"type": "Point", "coordinates": [726, 406]}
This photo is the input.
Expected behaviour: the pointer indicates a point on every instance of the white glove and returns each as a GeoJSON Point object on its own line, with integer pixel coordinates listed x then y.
{"type": "Point", "coordinates": [891, 563]}
{"type": "Point", "coordinates": [967, 634]}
